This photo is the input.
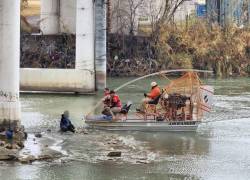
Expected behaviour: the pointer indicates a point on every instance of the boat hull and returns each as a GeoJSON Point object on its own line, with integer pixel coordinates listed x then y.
{"type": "Point", "coordinates": [148, 126]}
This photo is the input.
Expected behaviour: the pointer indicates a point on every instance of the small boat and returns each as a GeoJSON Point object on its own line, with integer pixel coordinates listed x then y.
{"type": "Point", "coordinates": [141, 125]}
{"type": "Point", "coordinates": [181, 107]}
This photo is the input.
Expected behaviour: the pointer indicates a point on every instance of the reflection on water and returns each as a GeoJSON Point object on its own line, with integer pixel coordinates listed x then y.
{"type": "Point", "coordinates": [218, 150]}
{"type": "Point", "coordinates": [171, 144]}
{"type": "Point", "coordinates": [44, 111]}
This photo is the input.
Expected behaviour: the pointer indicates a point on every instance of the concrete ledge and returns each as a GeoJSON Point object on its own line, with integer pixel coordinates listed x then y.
{"type": "Point", "coordinates": [57, 80]}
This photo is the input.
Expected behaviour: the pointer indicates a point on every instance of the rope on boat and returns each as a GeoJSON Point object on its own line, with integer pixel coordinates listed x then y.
{"type": "Point", "coordinates": [146, 76]}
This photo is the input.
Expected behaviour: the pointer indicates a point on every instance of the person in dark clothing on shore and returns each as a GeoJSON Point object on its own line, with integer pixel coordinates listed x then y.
{"type": "Point", "coordinates": [65, 124]}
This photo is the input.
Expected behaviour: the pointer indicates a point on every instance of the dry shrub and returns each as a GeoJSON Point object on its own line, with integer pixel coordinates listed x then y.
{"type": "Point", "coordinates": [205, 47]}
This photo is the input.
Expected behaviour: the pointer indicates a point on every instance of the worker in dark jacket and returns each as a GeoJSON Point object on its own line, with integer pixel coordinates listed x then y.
{"type": "Point", "coordinates": [65, 124]}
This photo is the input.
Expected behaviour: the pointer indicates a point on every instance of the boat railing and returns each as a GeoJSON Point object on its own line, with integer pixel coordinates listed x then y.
{"type": "Point", "coordinates": [183, 122]}
{"type": "Point", "coordinates": [170, 122]}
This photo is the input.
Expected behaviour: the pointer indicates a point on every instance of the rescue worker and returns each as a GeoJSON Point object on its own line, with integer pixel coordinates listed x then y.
{"type": "Point", "coordinates": [106, 91]}
{"type": "Point", "coordinates": [106, 99]}
{"type": "Point", "coordinates": [153, 94]}
{"type": "Point", "coordinates": [115, 105]}
{"type": "Point", "coordinates": [65, 124]}
{"type": "Point", "coordinates": [9, 133]}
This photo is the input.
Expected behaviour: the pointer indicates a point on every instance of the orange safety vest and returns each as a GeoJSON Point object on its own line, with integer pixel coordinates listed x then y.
{"type": "Point", "coordinates": [155, 92]}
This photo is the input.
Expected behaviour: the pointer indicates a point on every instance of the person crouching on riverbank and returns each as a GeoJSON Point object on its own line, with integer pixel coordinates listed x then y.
{"type": "Point", "coordinates": [65, 124]}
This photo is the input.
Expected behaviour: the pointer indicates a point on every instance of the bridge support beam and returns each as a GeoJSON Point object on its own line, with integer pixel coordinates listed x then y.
{"type": "Point", "coordinates": [67, 16]}
{"type": "Point", "coordinates": [85, 44]}
{"type": "Point", "coordinates": [100, 49]}
{"type": "Point", "coordinates": [49, 17]}
{"type": "Point", "coordinates": [9, 63]}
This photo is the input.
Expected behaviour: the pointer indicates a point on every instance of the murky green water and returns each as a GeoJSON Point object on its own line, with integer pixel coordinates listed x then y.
{"type": "Point", "coordinates": [219, 149]}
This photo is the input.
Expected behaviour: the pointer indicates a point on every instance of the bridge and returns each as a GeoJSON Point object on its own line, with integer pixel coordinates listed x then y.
{"type": "Point", "coordinates": [90, 70]}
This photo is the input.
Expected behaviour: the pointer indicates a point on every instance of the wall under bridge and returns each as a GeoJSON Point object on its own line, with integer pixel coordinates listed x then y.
{"type": "Point", "coordinates": [57, 80]}
{"type": "Point", "coordinates": [89, 73]}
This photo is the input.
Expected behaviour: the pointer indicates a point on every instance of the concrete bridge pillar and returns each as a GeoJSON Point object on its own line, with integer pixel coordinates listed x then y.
{"type": "Point", "coordinates": [100, 49]}
{"type": "Point", "coordinates": [49, 17]}
{"type": "Point", "coordinates": [68, 16]}
{"type": "Point", "coordinates": [85, 50]}
{"type": "Point", "coordinates": [9, 62]}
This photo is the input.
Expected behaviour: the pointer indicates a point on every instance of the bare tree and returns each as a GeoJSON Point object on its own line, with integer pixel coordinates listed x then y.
{"type": "Point", "coordinates": [119, 17]}
{"type": "Point", "coordinates": [166, 11]}
{"type": "Point", "coordinates": [155, 12]}
{"type": "Point", "coordinates": [125, 14]}
{"type": "Point", "coordinates": [133, 7]}
{"type": "Point", "coordinates": [162, 14]}
{"type": "Point", "coordinates": [169, 9]}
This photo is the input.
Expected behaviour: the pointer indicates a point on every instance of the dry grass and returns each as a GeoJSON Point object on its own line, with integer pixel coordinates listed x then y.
{"type": "Point", "coordinates": [205, 47]}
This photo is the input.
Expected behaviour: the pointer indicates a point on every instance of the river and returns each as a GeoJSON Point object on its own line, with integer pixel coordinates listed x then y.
{"type": "Point", "coordinates": [218, 150]}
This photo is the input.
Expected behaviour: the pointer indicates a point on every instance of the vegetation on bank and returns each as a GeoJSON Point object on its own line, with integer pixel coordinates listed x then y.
{"type": "Point", "coordinates": [54, 51]}
{"type": "Point", "coordinates": [169, 45]}
{"type": "Point", "coordinates": [201, 46]}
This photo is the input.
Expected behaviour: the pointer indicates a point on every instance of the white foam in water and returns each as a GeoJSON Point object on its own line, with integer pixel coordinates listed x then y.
{"type": "Point", "coordinates": [152, 156]}
{"type": "Point", "coordinates": [136, 151]}
{"type": "Point", "coordinates": [245, 98]}
{"type": "Point", "coordinates": [133, 151]}
{"type": "Point", "coordinates": [230, 102]}
{"type": "Point", "coordinates": [57, 147]}
{"type": "Point", "coordinates": [129, 141]}
{"type": "Point", "coordinates": [223, 104]}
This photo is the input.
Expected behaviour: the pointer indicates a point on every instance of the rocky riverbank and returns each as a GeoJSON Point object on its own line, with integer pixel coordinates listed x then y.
{"type": "Point", "coordinates": [35, 148]}
{"type": "Point", "coordinates": [40, 146]}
